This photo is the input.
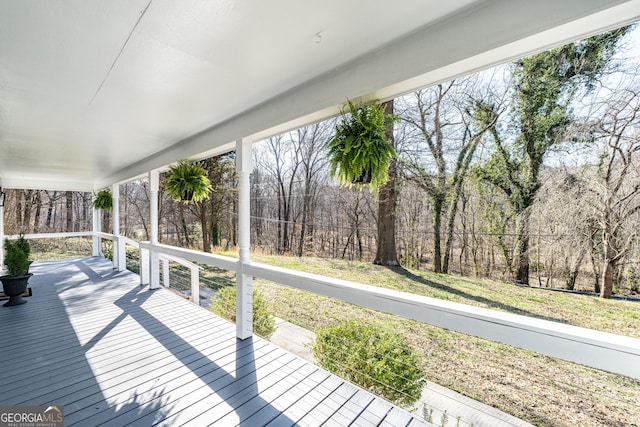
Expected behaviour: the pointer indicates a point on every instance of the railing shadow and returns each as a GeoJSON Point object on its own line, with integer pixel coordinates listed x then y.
{"type": "Point", "coordinates": [50, 365]}
{"type": "Point", "coordinates": [489, 303]}
{"type": "Point", "coordinates": [223, 372]}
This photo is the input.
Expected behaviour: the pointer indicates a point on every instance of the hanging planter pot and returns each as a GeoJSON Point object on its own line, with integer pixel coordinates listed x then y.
{"type": "Point", "coordinates": [185, 182]}
{"type": "Point", "coordinates": [187, 196]}
{"type": "Point", "coordinates": [103, 200]}
{"type": "Point", "coordinates": [364, 178]}
{"type": "Point", "coordinates": [359, 151]}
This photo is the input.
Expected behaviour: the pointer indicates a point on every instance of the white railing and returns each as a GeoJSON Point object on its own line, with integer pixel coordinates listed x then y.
{"type": "Point", "coordinates": [195, 275]}
{"type": "Point", "coordinates": [601, 350]}
{"type": "Point", "coordinates": [55, 235]}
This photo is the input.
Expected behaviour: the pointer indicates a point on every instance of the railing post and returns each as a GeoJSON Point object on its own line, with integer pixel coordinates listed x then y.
{"type": "Point", "coordinates": [144, 264]}
{"type": "Point", "coordinates": [96, 229]}
{"type": "Point", "coordinates": [122, 252]}
{"type": "Point", "coordinates": [154, 259]}
{"type": "Point", "coordinates": [244, 283]}
{"type": "Point", "coordinates": [195, 285]}
{"type": "Point", "coordinates": [165, 272]}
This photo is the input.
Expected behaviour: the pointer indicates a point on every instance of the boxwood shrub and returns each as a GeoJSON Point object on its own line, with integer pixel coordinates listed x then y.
{"type": "Point", "coordinates": [372, 357]}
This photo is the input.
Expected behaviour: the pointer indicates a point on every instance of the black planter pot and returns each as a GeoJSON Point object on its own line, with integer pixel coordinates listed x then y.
{"type": "Point", "coordinates": [365, 177]}
{"type": "Point", "coordinates": [14, 287]}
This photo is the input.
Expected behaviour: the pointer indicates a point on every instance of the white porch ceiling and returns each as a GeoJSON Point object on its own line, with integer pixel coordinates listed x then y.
{"type": "Point", "coordinates": [97, 92]}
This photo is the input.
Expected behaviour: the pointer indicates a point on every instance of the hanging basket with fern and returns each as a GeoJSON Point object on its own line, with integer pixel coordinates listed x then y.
{"type": "Point", "coordinates": [185, 182]}
{"type": "Point", "coordinates": [103, 200]}
{"type": "Point", "coordinates": [359, 151]}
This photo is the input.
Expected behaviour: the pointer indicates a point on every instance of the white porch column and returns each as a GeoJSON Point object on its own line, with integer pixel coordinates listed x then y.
{"type": "Point", "coordinates": [244, 283]}
{"type": "Point", "coordinates": [154, 258]}
{"type": "Point", "coordinates": [96, 229]}
{"type": "Point", "coordinates": [119, 260]}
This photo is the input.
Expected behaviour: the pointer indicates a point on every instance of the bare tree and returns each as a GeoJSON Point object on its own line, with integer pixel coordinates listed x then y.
{"type": "Point", "coordinates": [313, 161]}
{"type": "Point", "coordinates": [281, 159]}
{"type": "Point", "coordinates": [450, 124]}
{"type": "Point", "coordinates": [617, 181]}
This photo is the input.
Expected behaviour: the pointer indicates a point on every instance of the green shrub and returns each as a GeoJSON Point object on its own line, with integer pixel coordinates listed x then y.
{"type": "Point", "coordinates": [17, 256]}
{"type": "Point", "coordinates": [223, 303]}
{"type": "Point", "coordinates": [372, 357]}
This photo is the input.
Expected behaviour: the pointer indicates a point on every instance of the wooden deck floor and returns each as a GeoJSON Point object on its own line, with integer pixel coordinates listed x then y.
{"type": "Point", "coordinates": [113, 353]}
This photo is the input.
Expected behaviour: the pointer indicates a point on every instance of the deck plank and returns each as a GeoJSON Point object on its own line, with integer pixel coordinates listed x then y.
{"type": "Point", "coordinates": [114, 353]}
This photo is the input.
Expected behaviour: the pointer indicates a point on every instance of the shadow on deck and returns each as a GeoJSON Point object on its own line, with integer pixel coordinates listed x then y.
{"type": "Point", "coordinates": [111, 352]}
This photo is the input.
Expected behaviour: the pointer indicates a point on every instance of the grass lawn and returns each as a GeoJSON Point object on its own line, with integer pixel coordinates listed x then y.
{"type": "Point", "coordinates": [539, 389]}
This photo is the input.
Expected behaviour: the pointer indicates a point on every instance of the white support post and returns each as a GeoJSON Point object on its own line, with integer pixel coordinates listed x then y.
{"type": "Point", "coordinates": [244, 283]}
{"type": "Point", "coordinates": [96, 229]}
{"type": "Point", "coordinates": [154, 258]}
{"type": "Point", "coordinates": [195, 286]}
{"type": "Point", "coordinates": [115, 209]}
{"type": "Point", "coordinates": [121, 244]}
{"type": "Point", "coordinates": [144, 266]}
{"type": "Point", "coordinates": [165, 272]}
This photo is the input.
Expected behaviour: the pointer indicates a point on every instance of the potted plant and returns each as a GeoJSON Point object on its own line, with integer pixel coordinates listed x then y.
{"type": "Point", "coordinates": [359, 150]}
{"type": "Point", "coordinates": [14, 284]}
{"type": "Point", "coordinates": [185, 182]}
{"type": "Point", "coordinates": [103, 200]}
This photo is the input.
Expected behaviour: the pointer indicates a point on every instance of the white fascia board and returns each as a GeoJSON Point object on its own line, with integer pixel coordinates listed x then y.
{"type": "Point", "coordinates": [48, 184]}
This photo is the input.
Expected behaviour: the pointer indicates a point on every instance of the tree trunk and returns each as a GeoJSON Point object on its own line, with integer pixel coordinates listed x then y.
{"type": "Point", "coordinates": [28, 204]}
{"type": "Point", "coordinates": [608, 271]}
{"type": "Point", "coordinates": [204, 225]}
{"type": "Point", "coordinates": [306, 202]}
{"type": "Point", "coordinates": [216, 234]}
{"type": "Point", "coordinates": [69, 206]}
{"type": "Point", "coordinates": [438, 203]}
{"type": "Point", "coordinates": [575, 269]}
{"type": "Point", "coordinates": [36, 218]}
{"type": "Point", "coordinates": [50, 209]}
{"type": "Point", "coordinates": [522, 248]}
{"type": "Point", "coordinates": [386, 253]}
{"type": "Point", "coordinates": [183, 225]}
{"type": "Point", "coordinates": [19, 213]}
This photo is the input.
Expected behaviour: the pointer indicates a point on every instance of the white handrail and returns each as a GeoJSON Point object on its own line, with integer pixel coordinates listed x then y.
{"type": "Point", "coordinates": [224, 262]}
{"type": "Point", "coordinates": [52, 235]}
{"type": "Point", "coordinates": [601, 350]}
{"type": "Point", "coordinates": [104, 235]}
{"type": "Point", "coordinates": [609, 352]}
{"type": "Point", "coordinates": [130, 242]}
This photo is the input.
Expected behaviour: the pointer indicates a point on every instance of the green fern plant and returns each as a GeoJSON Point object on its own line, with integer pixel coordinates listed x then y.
{"type": "Point", "coordinates": [103, 200]}
{"type": "Point", "coordinates": [185, 182]}
{"type": "Point", "coordinates": [359, 150]}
